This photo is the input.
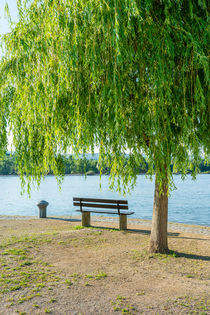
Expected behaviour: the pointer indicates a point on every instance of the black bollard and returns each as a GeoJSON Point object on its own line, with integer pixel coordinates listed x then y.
{"type": "Point", "coordinates": [42, 205]}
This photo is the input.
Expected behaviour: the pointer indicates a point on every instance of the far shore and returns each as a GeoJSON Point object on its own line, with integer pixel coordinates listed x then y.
{"type": "Point", "coordinates": [97, 174]}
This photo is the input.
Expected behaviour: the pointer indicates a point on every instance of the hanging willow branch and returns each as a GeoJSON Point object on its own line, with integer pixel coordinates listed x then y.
{"type": "Point", "coordinates": [122, 75]}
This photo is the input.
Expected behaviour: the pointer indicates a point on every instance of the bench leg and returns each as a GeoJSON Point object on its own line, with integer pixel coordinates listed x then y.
{"type": "Point", "coordinates": [123, 222]}
{"type": "Point", "coordinates": [85, 218]}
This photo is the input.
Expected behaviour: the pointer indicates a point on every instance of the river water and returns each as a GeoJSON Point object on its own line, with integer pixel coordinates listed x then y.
{"type": "Point", "coordinates": [189, 203]}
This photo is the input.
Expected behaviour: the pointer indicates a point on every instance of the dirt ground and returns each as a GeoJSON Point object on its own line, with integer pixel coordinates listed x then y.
{"type": "Point", "coordinates": [55, 266]}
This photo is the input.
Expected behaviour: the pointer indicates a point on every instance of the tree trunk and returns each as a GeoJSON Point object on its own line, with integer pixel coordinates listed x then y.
{"type": "Point", "coordinates": [159, 238]}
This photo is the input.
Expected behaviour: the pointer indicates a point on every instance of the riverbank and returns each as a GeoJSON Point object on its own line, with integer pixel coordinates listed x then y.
{"type": "Point", "coordinates": [133, 223]}
{"type": "Point", "coordinates": [55, 266]}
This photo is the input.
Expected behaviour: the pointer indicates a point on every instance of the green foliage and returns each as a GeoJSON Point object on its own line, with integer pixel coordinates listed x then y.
{"type": "Point", "coordinates": [122, 75]}
{"type": "Point", "coordinates": [7, 165]}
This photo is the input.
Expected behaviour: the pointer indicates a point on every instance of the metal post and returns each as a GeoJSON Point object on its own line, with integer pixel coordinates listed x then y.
{"type": "Point", "coordinates": [42, 205]}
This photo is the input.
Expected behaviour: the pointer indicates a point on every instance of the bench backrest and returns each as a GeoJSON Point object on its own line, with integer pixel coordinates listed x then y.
{"type": "Point", "coordinates": [100, 203]}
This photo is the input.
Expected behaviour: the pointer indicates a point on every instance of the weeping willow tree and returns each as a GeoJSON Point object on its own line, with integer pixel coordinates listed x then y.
{"type": "Point", "coordinates": [126, 76]}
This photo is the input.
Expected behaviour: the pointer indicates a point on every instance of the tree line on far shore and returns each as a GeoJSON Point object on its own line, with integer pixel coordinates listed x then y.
{"type": "Point", "coordinates": [73, 165]}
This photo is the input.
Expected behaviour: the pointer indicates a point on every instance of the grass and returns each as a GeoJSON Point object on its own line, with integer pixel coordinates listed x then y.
{"type": "Point", "coordinates": [89, 276]}
{"type": "Point", "coordinates": [121, 304]}
{"type": "Point", "coordinates": [31, 241]}
{"type": "Point", "coordinates": [68, 282]}
{"type": "Point", "coordinates": [81, 277]}
{"type": "Point", "coordinates": [15, 252]}
{"type": "Point", "coordinates": [194, 305]}
{"type": "Point", "coordinates": [140, 293]}
{"type": "Point", "coordinates": [78, 227]}
{"type": "Point", "coordinates": [21, 271]}
{"type": "Point", "coordinates": [100, 275]}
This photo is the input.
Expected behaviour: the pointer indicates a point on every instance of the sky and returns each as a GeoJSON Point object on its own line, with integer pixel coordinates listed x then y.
{"type": "Point", "coordinates": [4, 26]}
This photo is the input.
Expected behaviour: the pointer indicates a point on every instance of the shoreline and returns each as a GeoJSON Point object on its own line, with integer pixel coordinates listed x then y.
{"type": "Point", "coordinates": [132, 222]}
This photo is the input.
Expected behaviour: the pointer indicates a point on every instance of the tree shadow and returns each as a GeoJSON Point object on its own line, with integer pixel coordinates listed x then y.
{"type": "Point", "coordinates": [192, 238]}
{"type": "Point", "coordinates": [64, 219]}
{"type": "Point", "coordinates": [191, 256]}
{"type": "Point", "coordinates": [147, 232]}
{"type": "Point", "coordinates": [170, 234]}
{"type": "Point", "coordinates": [104, 228]}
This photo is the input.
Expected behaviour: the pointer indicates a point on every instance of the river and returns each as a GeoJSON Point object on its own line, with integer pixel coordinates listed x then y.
{"type": "Point", "coordinates": [189, 203]}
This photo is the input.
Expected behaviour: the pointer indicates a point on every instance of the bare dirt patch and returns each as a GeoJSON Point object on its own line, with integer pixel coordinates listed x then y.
{"type": "Point", "coordinates": [55, 266]}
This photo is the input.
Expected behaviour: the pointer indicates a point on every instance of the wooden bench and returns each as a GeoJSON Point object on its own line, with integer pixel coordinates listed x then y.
{"type": "Point", "coordinates": [103, 206]}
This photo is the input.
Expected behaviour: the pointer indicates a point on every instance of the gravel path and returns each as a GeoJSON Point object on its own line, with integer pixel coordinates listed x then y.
{"type": "Point", "coordinates": [196, 229]}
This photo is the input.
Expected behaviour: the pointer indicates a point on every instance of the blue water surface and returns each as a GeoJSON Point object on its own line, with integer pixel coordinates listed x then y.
{"type": "Point", "coordinates": [189, 203]}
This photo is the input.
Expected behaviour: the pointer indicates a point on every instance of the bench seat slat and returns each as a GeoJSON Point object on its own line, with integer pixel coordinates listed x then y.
{"type": "Point", "coordinates": [93, 205]}
{"type": "Point", "coordinates": [123, 202]}
{"type": "Point", "coordinates": [107, 212]}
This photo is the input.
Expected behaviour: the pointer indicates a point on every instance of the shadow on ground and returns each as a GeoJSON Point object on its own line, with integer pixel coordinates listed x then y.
{"type": "Point", "coordinates": [64, 219]}
{"type": "Point", "coordinates": [146, 232]}
{"type": "Point", "coordinates": [193, 238]}
{"type": "Point", "coordinates": [192, 256]}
